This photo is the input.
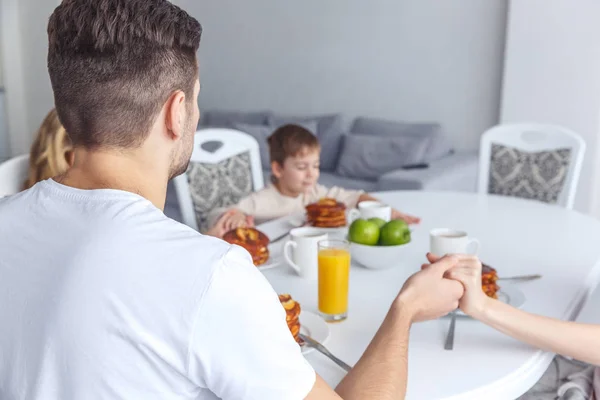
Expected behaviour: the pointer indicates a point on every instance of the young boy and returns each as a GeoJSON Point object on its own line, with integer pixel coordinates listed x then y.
{"type": "Point", "coordinates": [295, 154]}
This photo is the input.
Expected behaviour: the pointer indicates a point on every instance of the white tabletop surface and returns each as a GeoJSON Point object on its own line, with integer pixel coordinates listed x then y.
{"type": "Point", "coordinates": [517, 237]}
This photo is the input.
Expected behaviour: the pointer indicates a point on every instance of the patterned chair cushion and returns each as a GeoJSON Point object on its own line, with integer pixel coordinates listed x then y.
{"type": "Point", "coordinates": [538, 176]}
{"type": "Point", "coordinates": [219, 185]}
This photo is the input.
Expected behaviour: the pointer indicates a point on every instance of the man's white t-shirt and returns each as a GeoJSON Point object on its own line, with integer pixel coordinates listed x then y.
{"type": "Point", "coordinates": [103, 297]}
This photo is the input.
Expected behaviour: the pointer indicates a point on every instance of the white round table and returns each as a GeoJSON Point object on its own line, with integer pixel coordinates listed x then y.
{"type": "Point", "coordinates": [517, 237]}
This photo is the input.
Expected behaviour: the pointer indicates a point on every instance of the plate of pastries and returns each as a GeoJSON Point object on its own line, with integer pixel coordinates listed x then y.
{"type": "Point", "coordinates": [507, 294]}
{"type": "Point", "coordinates": [255, 242]}
{"type": "Point", "coordinates": [303, 321]}
{"type": "Point", "coordinates": [489, 276]}
{"type": "Point", "coordinates": [326, 213]}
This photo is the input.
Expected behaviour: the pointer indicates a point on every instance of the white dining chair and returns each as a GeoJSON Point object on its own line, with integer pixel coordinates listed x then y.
{"type": "Point", "coordinates": [224, 168]}
{"type": "Point", "coordinates": [13, 174]}
{"type": "Point", "coordinates": [533, 161]}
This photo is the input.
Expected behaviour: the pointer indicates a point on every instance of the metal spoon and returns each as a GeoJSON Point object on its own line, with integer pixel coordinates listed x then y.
{"type": "Point", "coordinates": [450, 336]}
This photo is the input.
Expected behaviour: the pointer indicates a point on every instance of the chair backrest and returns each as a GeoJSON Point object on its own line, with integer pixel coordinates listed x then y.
{"type": "Point", "coordinates": [535, 161]}
{"type": "Point", "coordinates": [13, 174]}
{"type": "Point", "coordinates": [224, 167]}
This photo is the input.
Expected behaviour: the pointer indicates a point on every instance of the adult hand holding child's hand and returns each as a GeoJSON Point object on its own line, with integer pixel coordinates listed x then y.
{"type": "Point", "coordinates": [428, 294]}
{"type": "Point", "coordinates": [467, 271]}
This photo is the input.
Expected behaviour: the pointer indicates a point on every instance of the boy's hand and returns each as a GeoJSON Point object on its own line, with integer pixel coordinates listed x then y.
{"type": "Point", "coordinates": [467, 271]}
{"type": "Point", "coordinates": [409, 219]}
{"type": "Point", "coordinates": [237, 219]}
{"type": "Point", "coordinates": [230, 219]}
{"type": "Point", "coordinates": [219, 229]}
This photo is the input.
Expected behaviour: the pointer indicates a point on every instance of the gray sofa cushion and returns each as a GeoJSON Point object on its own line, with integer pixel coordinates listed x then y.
{"type": "Point", "coordinates": [226, 119]}
{"type": "Point", "coordinates": [262, 132]}
{"type": "Point", "coordinates": [529, 175]}
{"type": "Point", "coordinates": [457, 172]}
{"type": "Point", "coordinates": [331, 179]}
{"type": "Point", "coordinates": [368, 157]}
{"type": "Point", "coordinates": [439, 145]}
{"type": "Point", "coordinates": [329, 132]}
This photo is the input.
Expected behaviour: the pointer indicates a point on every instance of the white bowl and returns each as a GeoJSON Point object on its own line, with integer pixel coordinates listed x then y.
{"type": "Point", "coordinates": [377, 257]}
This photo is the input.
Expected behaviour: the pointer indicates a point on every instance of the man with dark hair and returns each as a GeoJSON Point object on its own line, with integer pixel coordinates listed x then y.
{"type": "Point", "coordinates": [102, 296]}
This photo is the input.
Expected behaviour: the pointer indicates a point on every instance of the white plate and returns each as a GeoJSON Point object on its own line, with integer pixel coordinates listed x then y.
{"type": "Point", "coordinates": [271, 263]}
{"type": "Point", "coordinates": [507, 294]}
{"type": "Point", "coordinates": [275, 257]}
{"type": "Point", "coordinates": [315, 327]}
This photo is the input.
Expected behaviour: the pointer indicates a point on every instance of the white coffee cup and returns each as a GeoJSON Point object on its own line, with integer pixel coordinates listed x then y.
{"type": "Point", "coordinates": [451, 241]}
{"type": "Point", "coordinates": [304, 258]}
{"type": "Point", "coordinates": [371, 209]}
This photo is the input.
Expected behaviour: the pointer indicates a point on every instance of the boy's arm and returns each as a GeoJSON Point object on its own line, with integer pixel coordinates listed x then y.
{"type": "Point", "coordinates": [227, 218]}
{"type": "Point", "coordinates": [409, 219]}
{"type": "Point", "coordinates": [366, 197]}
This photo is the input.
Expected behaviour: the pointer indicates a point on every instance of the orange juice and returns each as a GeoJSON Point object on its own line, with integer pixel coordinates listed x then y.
{"type": "Point", "coordinates": [334, 276]}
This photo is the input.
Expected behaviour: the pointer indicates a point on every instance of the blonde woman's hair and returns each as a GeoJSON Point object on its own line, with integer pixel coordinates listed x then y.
{"type": "Point", "coordinates": [51, 153]}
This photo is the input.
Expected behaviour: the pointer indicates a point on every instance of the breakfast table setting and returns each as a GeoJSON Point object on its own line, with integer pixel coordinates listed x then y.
{"type": "Point", "coordinates": [545, 259]}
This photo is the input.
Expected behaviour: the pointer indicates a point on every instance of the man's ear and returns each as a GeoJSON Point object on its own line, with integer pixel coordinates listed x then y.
{"type": "Point", "coordinates": [175, 115]}
{"type": "Point", "coordinates": [276, 169]}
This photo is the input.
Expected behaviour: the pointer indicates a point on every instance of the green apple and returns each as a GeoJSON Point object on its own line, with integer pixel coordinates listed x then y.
{"type": "Point", "coordinates": [394, 233]}
{"type": "Point", "coordinates": [380, 222]}
{"type": "Point", "coordinates": [364, 232]}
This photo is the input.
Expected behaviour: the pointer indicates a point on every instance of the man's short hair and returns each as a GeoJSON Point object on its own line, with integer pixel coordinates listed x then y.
{"type": "Point", "coordinates": [290, 141]}
{"type": "Point", "coordinates": [114, 63]}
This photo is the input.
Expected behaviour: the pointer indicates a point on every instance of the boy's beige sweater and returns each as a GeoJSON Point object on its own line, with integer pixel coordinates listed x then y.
{"type": "Point", "coordinates": [269, 203]}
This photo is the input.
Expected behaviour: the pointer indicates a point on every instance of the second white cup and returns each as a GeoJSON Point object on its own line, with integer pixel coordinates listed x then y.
{"type": "Point", "coordinates": [371, 209]}
{"type": "Point", "coordinates": [451, 241]}
{"type": "Point", "coordinates": [301, 252]}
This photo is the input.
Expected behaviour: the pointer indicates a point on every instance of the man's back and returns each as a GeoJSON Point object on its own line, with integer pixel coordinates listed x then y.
{"type": "Point", "coordinates": [104, 297]}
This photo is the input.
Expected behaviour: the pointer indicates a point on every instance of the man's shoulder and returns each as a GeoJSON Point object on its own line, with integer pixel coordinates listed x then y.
{"type": "Point", "coordinates": [186, 240]}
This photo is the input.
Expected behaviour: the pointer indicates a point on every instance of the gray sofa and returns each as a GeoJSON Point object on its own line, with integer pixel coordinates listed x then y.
{"type": "Point", "coordinates": [371, 154]}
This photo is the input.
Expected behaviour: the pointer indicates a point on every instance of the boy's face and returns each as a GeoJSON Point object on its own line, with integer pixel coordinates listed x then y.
{"type": "Point", "coordinates": [299, 173]}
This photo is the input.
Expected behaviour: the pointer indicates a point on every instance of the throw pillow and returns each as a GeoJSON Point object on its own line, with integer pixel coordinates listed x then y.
{"type": "Point", "coordinates": [530, 175]}
{"type": "Point", "coordinates": [368, 157]}
{"type": "Point", "coordinates": [328, 131]}
{"type": "Point", "coordinates": [439, 145]}
{"type": "Point", "coordinates": [218, 185]}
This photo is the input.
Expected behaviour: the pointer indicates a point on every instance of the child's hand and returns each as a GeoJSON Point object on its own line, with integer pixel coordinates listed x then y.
{"type": "Point", "coordinates": [409, 219]}
{"type": "Point", "coordinates": [231, 219]}
{"type": "Point", "coordinates": [219, 228]}
{"type": "Point", "coordinates": [237, 219]}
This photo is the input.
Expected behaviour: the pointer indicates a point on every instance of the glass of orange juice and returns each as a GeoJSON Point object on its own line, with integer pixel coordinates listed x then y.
{"type": "Point", "coordinates": [334, 279]}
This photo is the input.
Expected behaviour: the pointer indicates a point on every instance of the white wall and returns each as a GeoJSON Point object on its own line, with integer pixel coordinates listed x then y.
{"type": "Point", "coordinates": [25, 46]}
{"type": "Point", "coordinates": [425, 60]}
{"type": "Point", "coordinates": [552, 74]}
{"type": "Point", "coordinates": [38, 91]}
{"type": "Point", "coordinates": [4, 146]}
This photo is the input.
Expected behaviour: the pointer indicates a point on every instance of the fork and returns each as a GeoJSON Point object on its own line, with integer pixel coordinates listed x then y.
{"type": "Point", "coordinates": [323, 350]}
{"type": "Point", "coordinates": [521, 278]}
